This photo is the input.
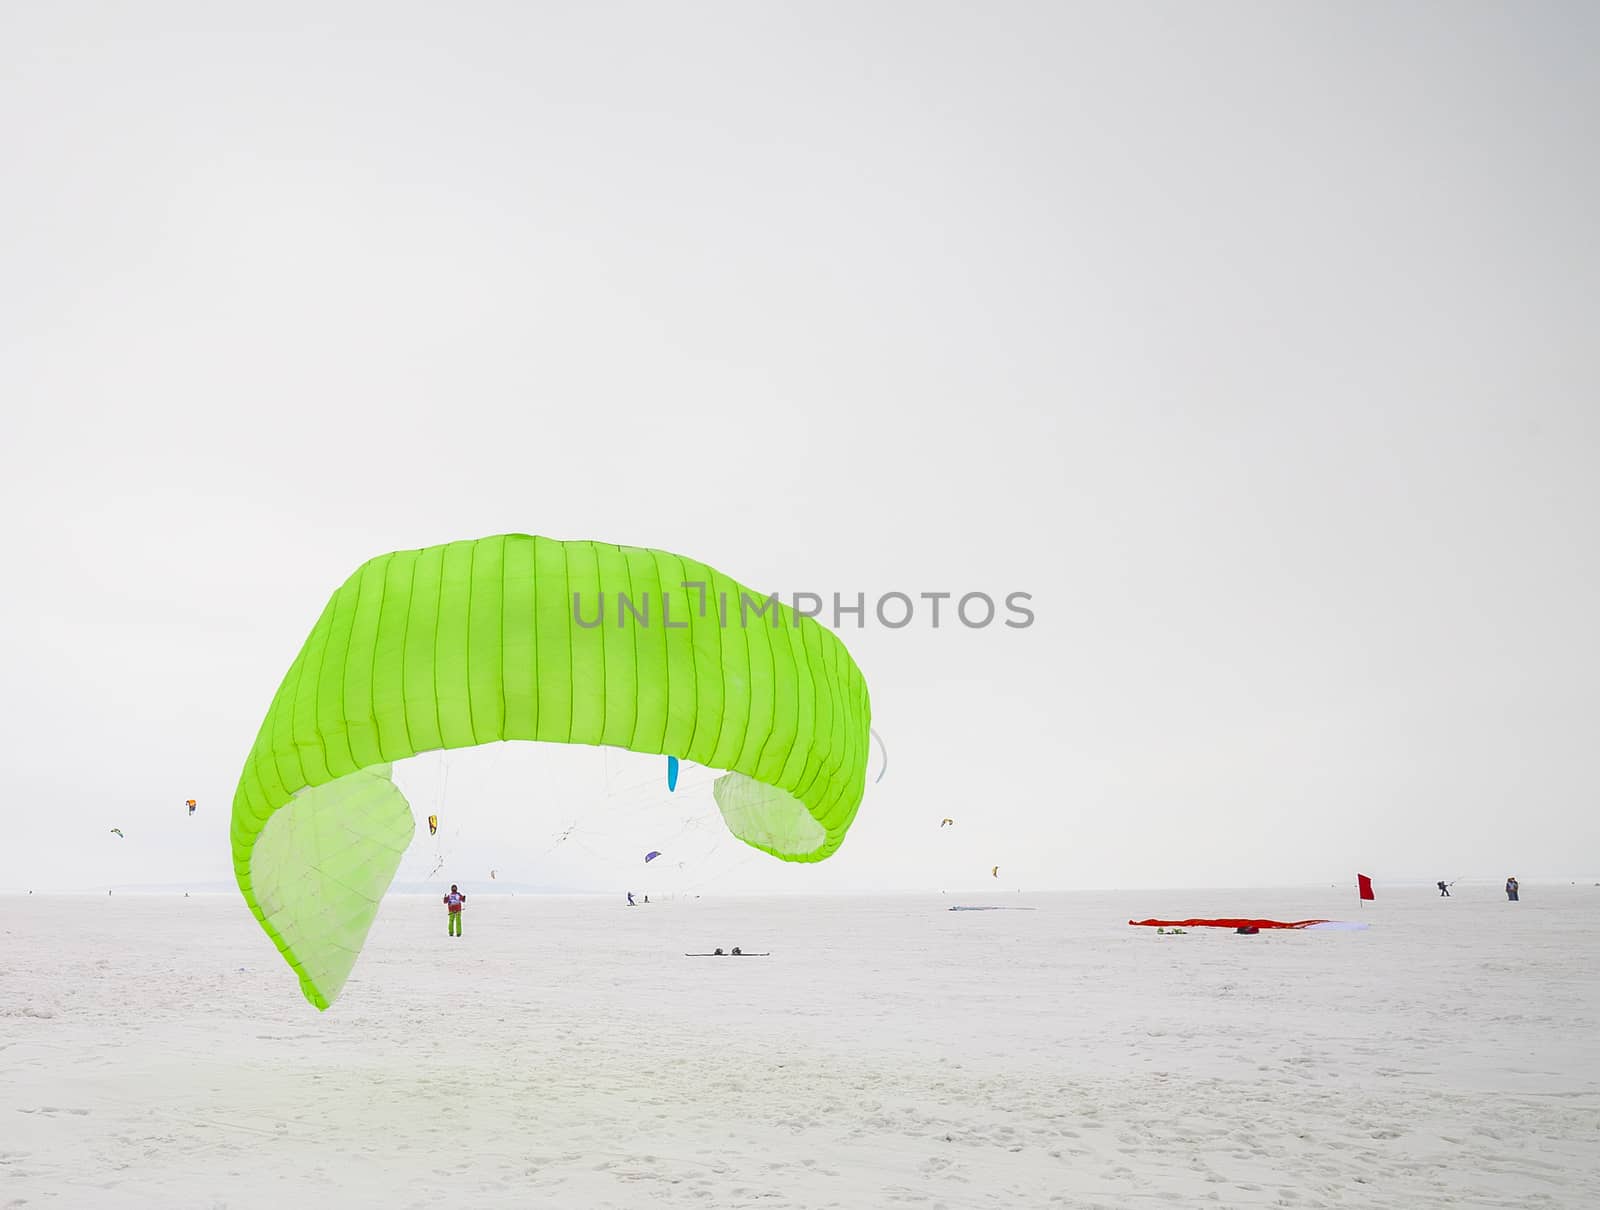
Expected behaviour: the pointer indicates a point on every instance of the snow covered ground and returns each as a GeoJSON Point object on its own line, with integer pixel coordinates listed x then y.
{"type": "Point", "coordinates": [154, 1051]}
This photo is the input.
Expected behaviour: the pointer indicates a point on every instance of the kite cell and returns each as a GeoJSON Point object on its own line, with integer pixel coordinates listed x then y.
{"type": "Point", "coordinates": [947, 822]}
{"type": "Point", "coordinates": [433, 824]}
{"type": "Point", "coordinates": [524, 638]}
{"type": "Point", "coordinates": [672, 774]}
{"type": "Point", "coordinates": [118, 832]}
{"type": "Point", "coordinates": [651, 856]}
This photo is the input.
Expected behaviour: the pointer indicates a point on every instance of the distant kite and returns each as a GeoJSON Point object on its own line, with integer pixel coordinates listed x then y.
{"type": "Point", "coordinates": [672, 774]}
{"type": "Point", "coordinates": [994, 873]}
{"type": "Point", "coordinates": [118, 832]}
{"type": "Point", "coordinates": [651, 856]}
{"type": "Point", "coordinates": [191, 804]}
{"type": "Point", "coordinates": [433, 824]}
{"type": "Point", "coordinates": [947, 822]}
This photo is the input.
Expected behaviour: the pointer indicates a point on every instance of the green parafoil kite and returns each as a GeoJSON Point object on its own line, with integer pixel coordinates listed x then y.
{"type": "Point", "coordinates": [519, 637]}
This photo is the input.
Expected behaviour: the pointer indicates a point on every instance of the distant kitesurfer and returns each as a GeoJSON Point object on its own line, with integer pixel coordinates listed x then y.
{"type": "Point", "coordinates": [1444, 889]}
{"type": "Point", "coordinates": [1511, 889]}
{"type": "Point", "coordinates": [631, 903]}
{"type": "Point", "coordinates": [453, 903]}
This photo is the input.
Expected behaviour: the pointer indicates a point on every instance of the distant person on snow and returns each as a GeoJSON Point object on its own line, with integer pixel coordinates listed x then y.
{"type": "Point", "coordinates": [454, 902]}
{"type": "Point", "coordinates": [631, 903]}
{"type": "Point", "coordinates": [1444, 890]}
{"type": "Point", "coordinates": [1511, 889]}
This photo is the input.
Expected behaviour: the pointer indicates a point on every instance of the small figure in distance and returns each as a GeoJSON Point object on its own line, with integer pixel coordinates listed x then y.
{"type": "Point", "coordinates": [1511, 889]}
{"type": "Point", "coordinates": [631, 903]}
{"type": "Point", "coordinates": [1444, 889]}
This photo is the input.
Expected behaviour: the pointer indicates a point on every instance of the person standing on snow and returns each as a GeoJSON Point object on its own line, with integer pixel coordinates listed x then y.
{"type": "Point", "coordinates": [454, 902]}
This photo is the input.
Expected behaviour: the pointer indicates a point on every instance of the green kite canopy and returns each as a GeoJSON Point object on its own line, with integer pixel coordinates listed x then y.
{"type": "Point", "coordinates": [519, 637]}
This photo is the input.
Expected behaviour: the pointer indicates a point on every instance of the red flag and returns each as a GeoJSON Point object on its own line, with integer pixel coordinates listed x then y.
{"type": "Point", "coordinates": [1364, 886]}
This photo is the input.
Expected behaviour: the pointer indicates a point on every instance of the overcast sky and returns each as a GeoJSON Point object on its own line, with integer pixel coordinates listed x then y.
{"type": "Point", "coordinates": [1256, 341]}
